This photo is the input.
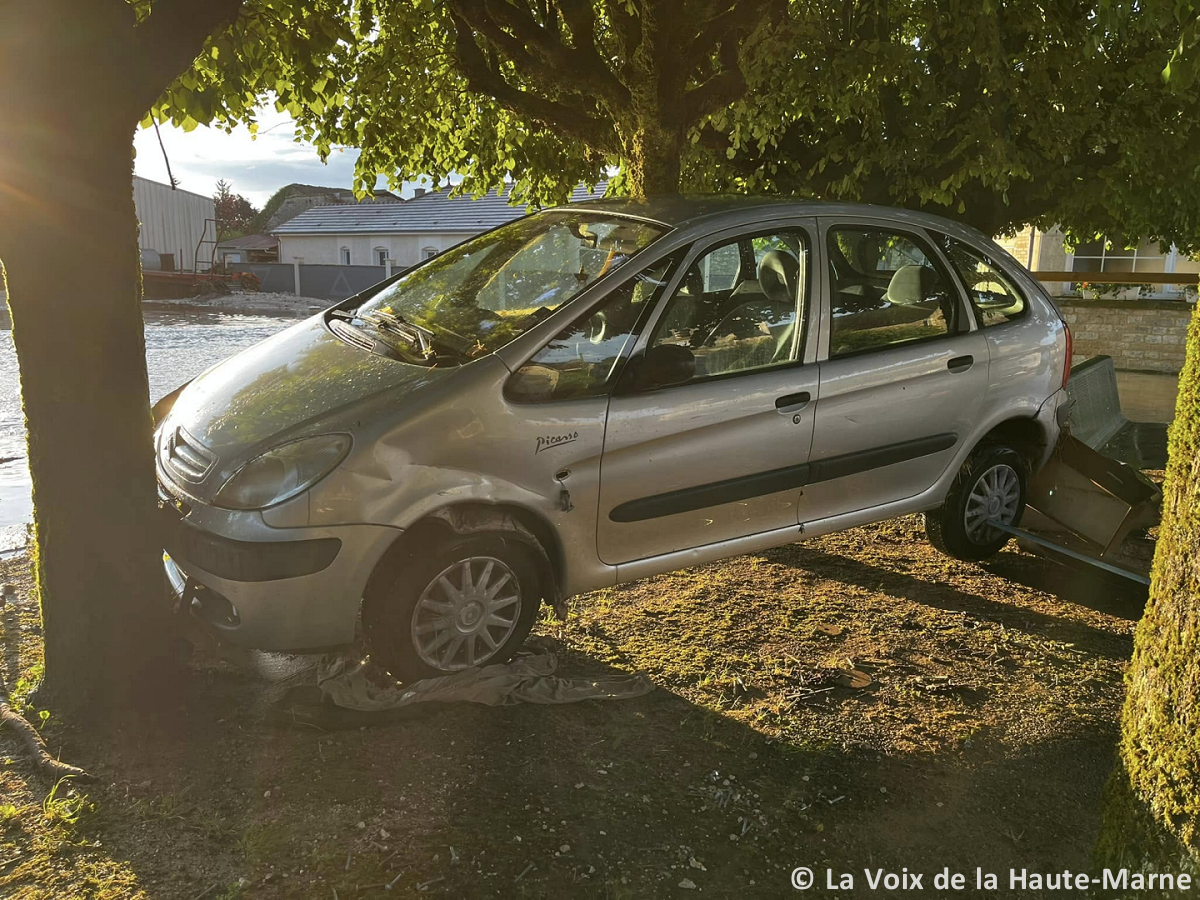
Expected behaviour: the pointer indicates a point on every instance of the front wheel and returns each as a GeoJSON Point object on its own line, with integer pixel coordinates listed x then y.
{"type": "Point", "coordinates": [470, 602]}
{"type": "Point", "coordinates": [989, 488]}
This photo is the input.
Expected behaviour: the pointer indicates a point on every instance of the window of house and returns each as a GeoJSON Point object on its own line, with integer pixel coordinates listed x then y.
{"type": "Point", "coordinates": [885, 290]}
{"type": "Point", "coordinates": [994, 296]}
{"type": "Point", "coordinates": [583, 359]}
{"type": "Point", "coordinates": [741, 305]}
{"type": "Point", "coordinates": [429, 252]}
{"type": "Point", "coordinates": [381, 255]}
{"type": "Point", "coordinates": [1110, 255]}
{"type": "Point", "coordinates": [345, 254]}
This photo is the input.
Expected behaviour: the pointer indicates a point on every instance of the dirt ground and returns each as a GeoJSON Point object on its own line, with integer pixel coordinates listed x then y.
{"type": "Point", "coordinates": [983, 740]}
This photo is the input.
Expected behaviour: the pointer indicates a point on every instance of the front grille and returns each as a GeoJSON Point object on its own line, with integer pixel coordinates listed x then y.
{"type": "Point", "coordinates": [187, 457]}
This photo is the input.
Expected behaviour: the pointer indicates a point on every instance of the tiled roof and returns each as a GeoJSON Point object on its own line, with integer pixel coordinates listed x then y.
{"type": "Point", "coordinates": [251, 242]}
{"type": "Point", "coordinates": [430, 213]}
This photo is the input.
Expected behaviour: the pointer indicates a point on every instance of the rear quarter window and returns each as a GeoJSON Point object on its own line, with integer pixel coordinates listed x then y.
{"type": "Point", "coordinates": [994, 296]}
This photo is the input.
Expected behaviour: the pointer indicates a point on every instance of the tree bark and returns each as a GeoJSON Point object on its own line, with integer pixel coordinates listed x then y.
{"type": "Point", "coordinates": [652, 159]}
{"type": "Point", "coordinates": [69, 244]}
{"type": "Point", "coordinates": [77, 75]}
{"type": "Point", "coordinates": [1152, 803]}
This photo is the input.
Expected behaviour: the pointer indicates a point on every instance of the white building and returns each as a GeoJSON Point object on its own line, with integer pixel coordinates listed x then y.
{"type": "Point", "coordinates": [367, 234]}
{"type": "Point", "coordinates": [173, 224]}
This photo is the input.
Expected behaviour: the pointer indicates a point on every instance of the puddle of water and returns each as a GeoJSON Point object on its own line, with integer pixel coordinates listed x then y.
{"type": "Point", "coordinates": [179, 346]}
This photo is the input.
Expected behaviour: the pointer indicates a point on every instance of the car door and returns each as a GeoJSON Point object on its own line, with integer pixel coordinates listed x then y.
{"type": "Point", "coordinates": [719, 451]}
{"type": "Point", "coordinates": [903, 369]}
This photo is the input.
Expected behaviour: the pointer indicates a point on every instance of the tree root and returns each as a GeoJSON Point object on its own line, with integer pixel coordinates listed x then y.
{"type": "Point", "coordinates": [35, 746]}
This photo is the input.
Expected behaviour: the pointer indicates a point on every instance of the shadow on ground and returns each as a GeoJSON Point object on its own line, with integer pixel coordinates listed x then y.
{"type": "Point", "coordinates": [983, 740]}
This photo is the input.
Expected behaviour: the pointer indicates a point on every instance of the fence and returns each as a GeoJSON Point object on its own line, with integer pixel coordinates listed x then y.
{"type": "Point", "coordinates": [330, 283]}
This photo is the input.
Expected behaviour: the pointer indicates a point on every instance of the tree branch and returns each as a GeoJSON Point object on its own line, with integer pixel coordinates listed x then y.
{"type": "Point", "coordinates": [718, 91]}
{"type": "Point", "coordinates": [628, 29]}
{"type": "Point", "coordinates": [580, 16]}
{"type": "Point", "coordinates": [484, 79]}
{"type": "Point", "coordinates": [35, 747]}
{"type": "Point", "coordinates": [539, 52]}
{"type": "Point", "coordinates": [172, 36]}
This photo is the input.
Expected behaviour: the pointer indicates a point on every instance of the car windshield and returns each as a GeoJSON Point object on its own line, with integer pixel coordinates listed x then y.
{"type": "Point", "coordinates": [480, 295]}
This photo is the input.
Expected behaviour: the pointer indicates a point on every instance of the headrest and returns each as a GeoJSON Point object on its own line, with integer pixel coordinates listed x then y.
{"type": "Point", "coordinates": [914, 286]}
{"type": "Point", "coordinates": [778, 276]}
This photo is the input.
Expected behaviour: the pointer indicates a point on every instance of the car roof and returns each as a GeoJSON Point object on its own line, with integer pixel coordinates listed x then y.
{"type": "Point", "coordinates": [710, 211]}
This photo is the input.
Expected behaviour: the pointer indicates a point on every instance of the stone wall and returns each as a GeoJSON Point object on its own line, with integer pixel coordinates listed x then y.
{"type": "Point", "coordinates": [1140, 335]}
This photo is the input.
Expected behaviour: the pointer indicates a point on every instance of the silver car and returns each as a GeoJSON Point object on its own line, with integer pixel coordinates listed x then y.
{"type": "Point", "coordinates": [597, 393]}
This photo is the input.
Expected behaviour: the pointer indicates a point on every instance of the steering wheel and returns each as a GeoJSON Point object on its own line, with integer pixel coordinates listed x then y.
{"type": "Point", "coordinates": [598, 327]}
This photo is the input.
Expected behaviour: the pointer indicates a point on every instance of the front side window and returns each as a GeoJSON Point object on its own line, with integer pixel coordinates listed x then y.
{"type": "Point", "coordinates": [582, 360]}
{"type": "Point", "coordinates": [748, 317]}
{"type": "Point", "coordinates": [994, 296]}
{"type": "Point", "coordinates": [885, 290]}
{"type": "Point", "coordinates": [478, 296]}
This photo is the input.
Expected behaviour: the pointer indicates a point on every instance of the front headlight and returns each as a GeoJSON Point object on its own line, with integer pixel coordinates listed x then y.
{"type": "Point", "coordinates": [283, 472]}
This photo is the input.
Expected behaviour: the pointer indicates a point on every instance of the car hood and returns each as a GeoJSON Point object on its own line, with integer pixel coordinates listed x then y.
{"type": "Point", "coordinates": [301, 381]}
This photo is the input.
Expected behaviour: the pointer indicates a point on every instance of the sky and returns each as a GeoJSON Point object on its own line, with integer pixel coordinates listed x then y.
{"type": "Point", "coordinates": [254, 168]}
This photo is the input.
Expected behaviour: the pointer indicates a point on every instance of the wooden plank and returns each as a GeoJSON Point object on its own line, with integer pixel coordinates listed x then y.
{"type": "Point", "coordinates": [1120, 277]}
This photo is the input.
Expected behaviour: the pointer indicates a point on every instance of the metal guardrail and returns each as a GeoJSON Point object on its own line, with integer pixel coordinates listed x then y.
{"type": "Point", "coordinates": [1068, 552]}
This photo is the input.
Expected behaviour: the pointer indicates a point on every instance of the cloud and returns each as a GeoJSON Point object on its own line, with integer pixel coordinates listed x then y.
{"type": "Point", "coordinates": [254, 167]}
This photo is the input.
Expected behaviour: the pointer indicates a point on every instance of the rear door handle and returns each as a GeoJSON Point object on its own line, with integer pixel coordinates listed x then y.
{"type": "Point", "coordinates": [790, 403]}
{"type": "Point", "coordinates": [960, 363]}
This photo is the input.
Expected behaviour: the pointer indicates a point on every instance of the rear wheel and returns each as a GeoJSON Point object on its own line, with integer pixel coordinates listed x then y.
{"type": "Point", "coordinates": [470, 602]}
{"type": "Point", "coordinates": [989, 488]}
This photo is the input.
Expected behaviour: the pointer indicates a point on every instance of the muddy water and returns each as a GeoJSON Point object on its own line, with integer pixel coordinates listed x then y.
{"type": "Point", "coordinates": [179, 345]}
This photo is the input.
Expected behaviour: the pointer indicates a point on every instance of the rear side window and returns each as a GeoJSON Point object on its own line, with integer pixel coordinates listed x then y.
{"type": "Point", "coordinates": [885, 290]}
{"type": "Point", "coordinates": [994, 296]}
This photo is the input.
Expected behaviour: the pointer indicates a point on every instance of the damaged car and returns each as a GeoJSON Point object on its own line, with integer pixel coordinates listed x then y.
{"type": "Point", "coordinates": [597, 393]}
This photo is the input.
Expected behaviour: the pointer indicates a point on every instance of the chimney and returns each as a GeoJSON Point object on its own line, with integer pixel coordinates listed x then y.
{"type": "Point", "coordinates": [418, 192]}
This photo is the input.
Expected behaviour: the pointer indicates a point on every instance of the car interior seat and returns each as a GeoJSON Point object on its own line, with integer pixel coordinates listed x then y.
{"type": "Point", "coordinates": [921, 287]}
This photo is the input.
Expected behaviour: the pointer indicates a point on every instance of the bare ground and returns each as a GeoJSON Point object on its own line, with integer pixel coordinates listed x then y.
{"type": "Point", "coordinates": [983, 739]}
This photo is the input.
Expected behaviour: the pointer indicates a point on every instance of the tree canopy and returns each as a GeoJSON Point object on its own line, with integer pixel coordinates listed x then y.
{"type": "Point", "coordinates": [998, 113]}
{"type": "Point", "coordinates": [235, 214]}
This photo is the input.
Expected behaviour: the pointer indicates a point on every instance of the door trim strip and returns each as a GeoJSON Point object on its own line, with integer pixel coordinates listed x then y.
{"type": "Point", "coordinates": [760, 484]}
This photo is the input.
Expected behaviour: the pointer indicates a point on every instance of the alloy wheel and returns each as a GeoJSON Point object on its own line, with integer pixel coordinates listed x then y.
{"type": "Point", "coordinates": [466, 613]}
{"type": "Point", "coordinates": [996, 495]}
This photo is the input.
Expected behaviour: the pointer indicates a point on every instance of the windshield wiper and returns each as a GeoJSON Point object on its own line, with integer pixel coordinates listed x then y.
{"type": "Point", "coordinates": [358, 337]}
{"type": "Point", "coordinates": [393, 324]}
{"type": "Point", "coordinates": [422, 338]}
{"type": "Point", "coordinates": [431, 347]}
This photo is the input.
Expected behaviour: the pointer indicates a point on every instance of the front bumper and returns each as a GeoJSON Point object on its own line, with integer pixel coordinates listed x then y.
{"type": "Point", "coordinates": [270, 588]}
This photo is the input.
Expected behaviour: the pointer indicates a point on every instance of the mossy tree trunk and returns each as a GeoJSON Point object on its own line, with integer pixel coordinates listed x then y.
{"type": "Point", "coordinates": [1152, 804]}
{"type": "Point", "coordinates": [77, 75]}
{"type": "Point", "coordinates": [652, 160]}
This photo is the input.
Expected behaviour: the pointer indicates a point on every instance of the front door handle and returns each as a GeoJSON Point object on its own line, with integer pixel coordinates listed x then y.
{"type": "Point", "coordinates": [960, 363]}
{"type": "Point", "coordinates": [790, 403]}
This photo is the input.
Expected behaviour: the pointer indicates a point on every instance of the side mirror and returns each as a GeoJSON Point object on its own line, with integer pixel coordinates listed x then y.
{"type": "Point", "coordinates": [664, 365]}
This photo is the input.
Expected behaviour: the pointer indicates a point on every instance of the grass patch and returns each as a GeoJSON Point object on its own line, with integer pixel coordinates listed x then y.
{"type": "Point", "coordinates": [64, 805]}
{"type": "Point", "coordinates": [988, 722]}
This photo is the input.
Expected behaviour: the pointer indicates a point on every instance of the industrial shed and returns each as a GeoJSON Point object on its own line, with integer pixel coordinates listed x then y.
{"type": "Point", "coordinates": [173, 223]}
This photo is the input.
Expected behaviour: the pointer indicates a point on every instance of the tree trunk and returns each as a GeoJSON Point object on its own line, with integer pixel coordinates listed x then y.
{"type": "Point", "coordinates": [1152, 803]}
{"type": "Point", "coordinates": [76, 76]}
{"type": "Point", "coordinates": [652, 159]}
{"type": "Point", "coordinates": [68, 243]}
